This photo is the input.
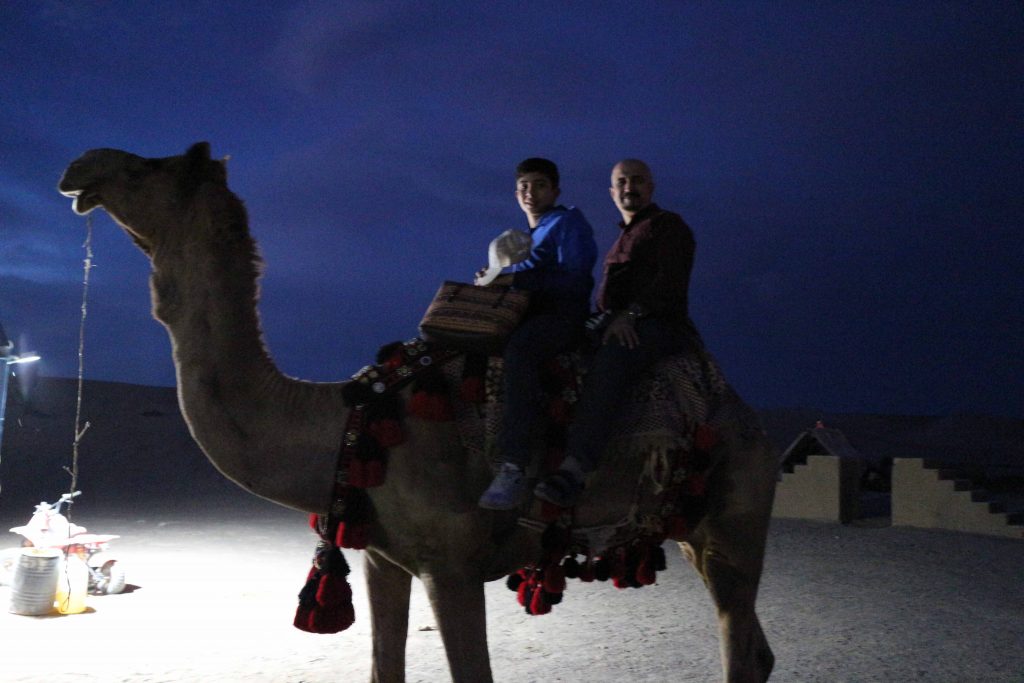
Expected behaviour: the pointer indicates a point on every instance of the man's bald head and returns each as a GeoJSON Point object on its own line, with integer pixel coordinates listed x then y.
{"type": "Point", "coordinates": [632, 187]}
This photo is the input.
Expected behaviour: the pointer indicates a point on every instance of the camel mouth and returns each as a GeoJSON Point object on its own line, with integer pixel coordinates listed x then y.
{"type": "Point", "coordinates": [84, 200]}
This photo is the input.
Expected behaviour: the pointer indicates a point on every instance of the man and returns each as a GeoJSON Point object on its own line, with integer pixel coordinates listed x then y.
{"type": "Point", "coordinates": [643, 298]}
{"type": "Point", "coordinates": [558, 274]}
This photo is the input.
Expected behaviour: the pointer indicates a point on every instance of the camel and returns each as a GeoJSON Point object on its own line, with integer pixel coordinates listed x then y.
{"type": "Point", "coordinates": [277, 437]}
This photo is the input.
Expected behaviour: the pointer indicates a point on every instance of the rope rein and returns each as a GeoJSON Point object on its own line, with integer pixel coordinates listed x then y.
{"type": "Point", "coordinates": [79, 429]}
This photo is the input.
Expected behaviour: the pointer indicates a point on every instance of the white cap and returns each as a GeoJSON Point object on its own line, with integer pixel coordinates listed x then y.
{"type": "Point", "coordinates": [511, 246]}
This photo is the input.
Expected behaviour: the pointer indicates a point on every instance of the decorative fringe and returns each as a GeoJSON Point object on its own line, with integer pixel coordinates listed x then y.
{"type": "Point", "coordinates": [325, 602]}
{"type": "Point", "coordinates": [632, 565]}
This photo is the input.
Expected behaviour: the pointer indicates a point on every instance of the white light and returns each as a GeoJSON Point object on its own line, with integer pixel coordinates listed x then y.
{"type": "Point", "coordinates": [28, 358]}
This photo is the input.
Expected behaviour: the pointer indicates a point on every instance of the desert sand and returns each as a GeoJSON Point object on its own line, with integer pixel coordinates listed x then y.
{"type": "Point", "coordinates": [213, 576]}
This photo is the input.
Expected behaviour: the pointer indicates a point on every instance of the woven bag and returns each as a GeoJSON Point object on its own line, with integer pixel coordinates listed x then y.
{"type": "Point", "coordinates": [471, 318]}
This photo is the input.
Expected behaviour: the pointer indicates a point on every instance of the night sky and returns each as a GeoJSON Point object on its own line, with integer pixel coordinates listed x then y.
{"type": "Point", "coordinates": [852, 172]}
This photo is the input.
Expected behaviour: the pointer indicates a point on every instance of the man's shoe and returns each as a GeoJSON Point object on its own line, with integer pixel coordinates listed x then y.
{"type": "Point", "coordinates": [507, 490]}
{"type": "Point", "coordinates": [563, 488]}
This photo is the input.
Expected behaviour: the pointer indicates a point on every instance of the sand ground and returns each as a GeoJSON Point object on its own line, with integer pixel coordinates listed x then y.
{"type": "Point", "coordinates": [212, 594]}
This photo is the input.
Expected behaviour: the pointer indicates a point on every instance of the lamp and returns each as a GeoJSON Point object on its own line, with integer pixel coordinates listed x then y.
{"type": "Point", "coordinates": [7, 359]}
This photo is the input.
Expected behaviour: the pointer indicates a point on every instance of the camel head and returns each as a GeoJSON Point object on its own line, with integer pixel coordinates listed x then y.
{"type": "Point", "coordinates": [147, 197]}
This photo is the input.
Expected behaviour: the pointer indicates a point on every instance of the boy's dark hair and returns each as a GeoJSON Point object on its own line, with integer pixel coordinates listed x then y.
{"type": "Point", "coordinates": [545, 167]}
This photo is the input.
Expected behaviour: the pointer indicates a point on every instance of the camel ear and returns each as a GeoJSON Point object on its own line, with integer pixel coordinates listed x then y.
{"type": "Point", "coordinates": [199, 169]}
{"type": "Point", "coordinates": [198, 152]}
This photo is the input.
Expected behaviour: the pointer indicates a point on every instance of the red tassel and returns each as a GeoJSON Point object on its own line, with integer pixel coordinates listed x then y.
{"type": "Point", "coordinates": [387, 432]}
{"type": "Point", "coordinates": [365, 474]}
{"type": "Point", "coordinates": [314, 522]}
{"type": "Point", "coordinates": [523, 592]}
{"type": "Point", "coordinates": [618, 564]}
{"type": "Point", "coordinates": [434, 407]}
{"type": "Point", "coordinates": [472, 389]}
{"type": "Point", "coordinates": [333, 591]}
{"type": "Point", "coordinates": [587, 572]}
{"type": "Point", "coordinates": [304, 619]}
{"type": "Point", "coordinates": [352, 535]}
{"type": "Point", "coordinates": [645, 574]}
{"type": "Point", "coordinates": [322, 620]}
{"type": "Point", "coordinates": [705, 438]}
{"type": "Point", "coordinates": [554, 579]}
{"type": "Point", "coordinates": [539, 603]}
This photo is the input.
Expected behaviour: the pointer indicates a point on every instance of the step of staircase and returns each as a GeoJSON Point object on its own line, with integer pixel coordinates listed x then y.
{"type": "Point", "coordinates": [936, 496]}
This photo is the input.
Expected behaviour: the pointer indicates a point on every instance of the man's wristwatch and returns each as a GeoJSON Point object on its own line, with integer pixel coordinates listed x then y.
{"type": "Point", "coordinates": [635, 312]}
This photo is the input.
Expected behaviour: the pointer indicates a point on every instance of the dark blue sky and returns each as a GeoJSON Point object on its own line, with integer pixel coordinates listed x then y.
{"type": "Point", "coordinates": [852, 173]}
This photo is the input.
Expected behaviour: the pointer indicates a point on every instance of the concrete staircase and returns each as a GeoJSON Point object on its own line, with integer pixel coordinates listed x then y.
{"type": "Point", "coordinates": [824, 488]}
{"type": "Point", "coordinates": [927, 494]}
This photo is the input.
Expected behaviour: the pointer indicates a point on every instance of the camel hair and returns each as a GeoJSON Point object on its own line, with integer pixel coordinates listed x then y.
{"type": "Point", "coordinates": [278, 437]}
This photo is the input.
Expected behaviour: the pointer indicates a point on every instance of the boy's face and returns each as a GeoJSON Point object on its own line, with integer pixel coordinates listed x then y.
{"type": "Point", "coordinates": [535, 193]}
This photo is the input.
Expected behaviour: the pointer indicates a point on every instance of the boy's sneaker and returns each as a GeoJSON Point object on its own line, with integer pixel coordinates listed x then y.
{"type": "Point", "coordinates": [507, 490]}
{"type": "Point", "coordinates": [563, 488]}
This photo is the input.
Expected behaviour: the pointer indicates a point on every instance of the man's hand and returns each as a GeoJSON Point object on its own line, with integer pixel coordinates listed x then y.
{"type": "Point", "coordinates": [622, 330]}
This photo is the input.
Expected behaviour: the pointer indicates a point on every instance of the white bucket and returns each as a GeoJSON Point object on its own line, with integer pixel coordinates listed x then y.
{"type": "Point", "coordinates": [35, 581]}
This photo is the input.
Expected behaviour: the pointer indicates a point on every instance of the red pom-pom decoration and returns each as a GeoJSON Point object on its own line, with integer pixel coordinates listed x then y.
{"type": "Point", "coordinates": [352, 535]}
{"type": "Point", "coordinates": [539, 603]}
{"type": "Point", "coordinates": [333, 590]}
{"type": "Point", "coordinates": [365, 474]}
{"type": "Point", "coordinates": [554, 579]}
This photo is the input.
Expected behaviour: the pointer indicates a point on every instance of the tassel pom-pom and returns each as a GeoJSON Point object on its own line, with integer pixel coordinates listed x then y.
{"type": "Point", "coordinates": [352, 535]}
{"type": "Point", "coordinates": [365, 474]}
{"type": "Point", "coordinates": [514, 581]}
{"type": "Point", "coordinates": [320, 620]}
{"type": "Point", "coordinates": [539, 603]}
{"type": "Point", "coordinates": [617, 564]}
{"type": "Point", "coordinates": [645, 574]}
{"type": "Point", "coordinates": [554, 579]}
{"type": "Point", "coordinates": [333, 591]}
{"type": "Point", "coordinates": [524, 594]}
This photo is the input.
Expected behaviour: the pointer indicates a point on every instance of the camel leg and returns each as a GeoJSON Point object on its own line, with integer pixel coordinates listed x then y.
{"type": "Point", "coordinates": [388, 587]}
{"type": "Point", "coordinates": [746, 655]}
{"type": "Point", "coordinates": [727, 549]}
{"type": "Point", "coordinates": [458, 604]}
